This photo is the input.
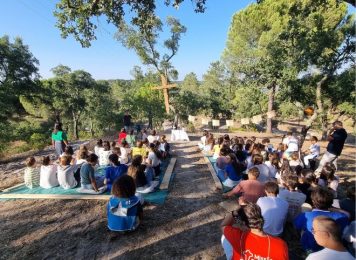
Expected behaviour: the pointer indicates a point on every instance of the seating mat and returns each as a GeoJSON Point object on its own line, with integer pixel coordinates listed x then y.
{"type": "Point", "coordinates": [157, 197]}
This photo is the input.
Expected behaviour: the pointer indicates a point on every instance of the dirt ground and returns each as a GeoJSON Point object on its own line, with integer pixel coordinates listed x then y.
{"type": "Point", "coordinates": [185, 227]}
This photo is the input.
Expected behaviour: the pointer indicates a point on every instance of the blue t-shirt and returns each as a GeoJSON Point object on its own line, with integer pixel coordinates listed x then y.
{"type": "Point", "coordinates": [231, 173]}
{"type": "Point", "coordinates": [112, 173]}
{"type": "Point", "coordinates": [304, 222]}
{"type": "Point", "coordinates": [86, 174]}
{"type": "Point", "coordinates": [336, 145]}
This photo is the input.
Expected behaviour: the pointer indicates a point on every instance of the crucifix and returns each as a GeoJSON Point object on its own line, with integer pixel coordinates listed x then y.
{"type": "Point", "coordinates": [165, 86]}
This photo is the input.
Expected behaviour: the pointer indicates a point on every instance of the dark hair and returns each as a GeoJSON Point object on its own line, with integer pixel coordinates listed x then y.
{"type": "Point", "coordinates": [294, 156]}
{"type": "Point", "coordinates": [69, 150]}
{"type": "Point", "coordinates": [310, 177]}
{"type": "Point", "coordinates": [257, 159]}
{"type": "Point", "coordinates": [154, 149]}
{"type": "Point", "coordinates": [322, 198]}
{"type": "Point", "coordinates": [137, 171]}
{"type": "Point", "coordinates": [65, 160]}
{"type": "Point", "coordinates": [240, 155]}
{"type": "Point", "coordinates": [285, 168]}
{"type": "Point", "coordinates": [154, 132]}
{"type": "Point", "coordinates": [57, 127]}
{"type": "Point", "coordinates": [131, 132]}
{"type": "Point", "coordinates": [275, 162]}
{"type": "Point", "coordinates": [220, 140]}
{"type": "Point", "coordinates": [328, 171]}
{"type": "Point", "coordinates": [114, 158]}
{"type": "Point", "coordinates": [238, 167]}
{"type": "Point", "coordinates": [116, 150]}
{"type": "Point", "coordinates": [30, 161]}
{"type": "Point", "coordinates": [124, 143]}
{"type": "Point", "coordinates": [272, 187]}
{"type": "Point", "coordinates": [298, 170]}
{"type": "Point", "coordinates": [314, 138]}
{"type": "Point", "coordinates": [251, 215]}
{"type": "Point", "coordinates": [99, 143]}
{"type": "Point", "coordinates": [83, 154]}
{"type": "Point", "coordinates": [106, 145]}
{"type": "Point", "coordinates": [46, 160]}
{"type": "Point", "coordinates": [254, 171]}
{"type": "Point", "coordinates": [123, 130]}
{"type": "Point", "coordinates": [139, 144]}
{"type": "Point", "coordinates": [92, 158]}
{"type": "Point", "coordinates": [265, 141]}
{"type": "Point", "coordinates": [124, 187]}
{"type": "Point", "coordinates": [291, 181]}
{"type": "Point", "coordinates": [113, 144]}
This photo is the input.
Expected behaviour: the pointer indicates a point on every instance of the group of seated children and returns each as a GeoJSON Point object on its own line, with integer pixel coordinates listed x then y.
{"type": "Point", "coordinates": [129, 171]}
{"type": "Point", "coordinates": [274, 187]}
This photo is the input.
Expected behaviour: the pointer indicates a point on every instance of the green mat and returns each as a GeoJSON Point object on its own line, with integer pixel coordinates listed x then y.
{"type": "Point", "coordinates": [156, 197]}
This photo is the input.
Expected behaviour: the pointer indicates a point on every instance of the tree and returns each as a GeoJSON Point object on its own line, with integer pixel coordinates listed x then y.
{"type": "Point", "coordinates": [144, 43]}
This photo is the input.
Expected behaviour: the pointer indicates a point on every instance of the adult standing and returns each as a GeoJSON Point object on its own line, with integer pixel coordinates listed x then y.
{"type": "Point", "coordinates": [59, 139]}
{"type": "Point", "coordinates": [337, 137]}
{"type": "Point", "coordinates": [127, 120]}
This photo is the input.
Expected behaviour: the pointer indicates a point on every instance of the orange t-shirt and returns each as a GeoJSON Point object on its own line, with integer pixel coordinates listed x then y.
{"type": "Point", "coordinates": [252, 246]}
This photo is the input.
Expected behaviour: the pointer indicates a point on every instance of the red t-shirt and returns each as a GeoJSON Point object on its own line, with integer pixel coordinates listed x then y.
{"type": "Point", "coordinates": [252, 246]}
{"type": "Point", "coordinates": [122, 136]}
{"type": "Point", "coordinates": [251, 190]}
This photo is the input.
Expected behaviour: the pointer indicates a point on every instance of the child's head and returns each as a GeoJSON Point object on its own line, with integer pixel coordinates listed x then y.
{"type": "Point", "coordinates": [314, 139]}
{"type": "Point", "coordinates": [280, 147]}
{"type": "Point", "coordinates": [106, 146]}
{"type": "Point", "coordinates": [123, 130]}
{"type": "Point", "coordinates": [83, 155]}
{"type": "Point", "coordinates": [328, 172]}
{"type": "Point", "coordinates": [139, 144]}
{"type": "Point", "coordinates": [116, 150]}
{"type": "Point", "coordinates": [265, 141]}
{"type": "Point", "coordinates": [253, 173]}
{"type": "Point", "coordinates": [31, 161]}
{"type": "Point", "coordinates": [257, 159]}
{"type": "Point", "coordinates": [124, 143]}
{"type": "Point", "coordinates": [46, 160]}
{"type": "Point", "coordinates": [154, 132]}
{"type": "Point", "coordinates": [163, 139]}
{"type": "Point", "coordinates": [309, 177]}
{"type": "Point", "coordinates": [113, 144]}
{"type": "Point", "coordinates": [131, 132]}
{"type": "Point", "coordinates": [83, 147]}
{"type": "Point", "coordinates": [69, 150]}
{"type": "Point", "coordinates": [271, 188]}
{"type": "Point", "coordinates": [291, 181]}
{"type": "Point", "coordinates": [322, 198]}
{"type": "Point", "coordinates": [92, 159]}
{"type": "Point", "coordinates": [114, 159]}
{"type": "Point", "coordinates": [220, 140]}
{"type": "Point", "coordinates": [294, 156]}
{"type": "Point", "coordinates": [137, 160]}
{"type": "Point", "coordinates": [226, 137]}
{"type": "Point", "coordinates": [224, 151]}
{"type": "Point", "coordinates": [99, 143]}
{"type": "Point", "coordinates": [65, 160]}
{"type": "Point", "coordinates": [124, 187]}
{"type": "Point", "coordinates": [298, 170]}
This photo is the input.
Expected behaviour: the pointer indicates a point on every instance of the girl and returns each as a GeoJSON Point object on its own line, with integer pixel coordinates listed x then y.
{"type": "Point", "coordinates": [137, 171]}
{"type": "Point", "coordinates": [68, 151]}
{"type": "Point", "coordinates": [153, 137]}
{"type": "Point", "coordinates": [217, 147]}
{"type": "Point", "coordinates": [104, 154]}
{"type": "Point", "coordinates": [273, 163]}
{"type": "Point", "coordinates": [66, 170]}
{"type": "Point", "coordinates": [98, 147]}
{"type": "Point", "coordinates": [82, 153]}
{"type": "Point", "coordinates": [113, 144]}
{"type": "Point", "coordinates": [122, 135]}
{"type": "Point", "coordinates": [124, 209]}
{"type": "Point", "coordinates": [144, 135]}
{"type": "Point", "coordinates": [131, 138]}
{"type": "Point", "coordinates": [294, 160]}
{"type": "Point", "coordinates": [153, 159]}
{"type": "Point", "coordinates": [32, 174]}
{"type": "Point", "coordinates": [203, 140]}
{"type": "Point", "coordinates": [139, 149]}
{"type": "Point", "coordinates": [59, 139]}
{"type": "Point", "coordinates": [284, 170]}
{"type": "Point", "coordinates": [114, 171]}
{"type": "Point", "coordinates": [48, 174]}
{"type": "Point", "coordinates": [328, 179]}
{"type": "Point", "coordinates": [280, 150]}
{"type": "Point", "coordinates": [233, 171]}
{"type": "Point", "coordinates": [125, 151]}
{"type": "Point", "coordinates": [82, 157]}
{"type": "Point", "coordinates": [164, 147]}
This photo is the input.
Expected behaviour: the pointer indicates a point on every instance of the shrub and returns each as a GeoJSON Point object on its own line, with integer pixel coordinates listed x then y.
{"type": "Point", "coordinates": [39, 141]}
{"type": "Point", "coordinates": [288, 110]}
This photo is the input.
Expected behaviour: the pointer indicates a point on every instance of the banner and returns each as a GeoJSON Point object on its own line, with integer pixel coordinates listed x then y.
{"type": "Point", "coordinates": [245, 121]}
{"type": "Point", "coordinates": [230, 122]}
{"type": "Point", "coordinates": [191, 118]}
{"type": "Point", "coordinates": [216, 122]}
{"type": "Point", "coordinates": [257, 119]}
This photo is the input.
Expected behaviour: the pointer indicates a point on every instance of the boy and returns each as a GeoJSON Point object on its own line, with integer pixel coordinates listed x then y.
{"type": "Point", "coordinates": [313, 151]}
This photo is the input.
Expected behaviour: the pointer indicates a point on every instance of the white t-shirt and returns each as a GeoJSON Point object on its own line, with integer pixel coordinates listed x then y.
{"type": "Point", "coordinates": [265, 174]}
{"type": "Point", "coordinates": [97, 150]}
{"type": "Point", "coordinates": [203, 140]}
{"type": "Point", "coordinates": [292, 144]}
{"type": "Point", "coordinates": [274, 211]}
{"type": "Point", "coordinates": [66, 176]}
{"type": "Point", "coordinates": [330, 254]}
{"type": "Point", "coordinates": [124, 157]}
{"type": "Point", "coordinates": [154, 159]}
{"type": "Point", "coordinates": [48, 176]}
{"type": "Point", "coordinates": [315, 149]}
{"type": "Point", "coordinates": [152, 138]}
{"type": "Point", "coordinates": [295, 200]}
{"type": "Point", "coordinates": [104, 157]}
{"type": "Point", "coordinates": [272, 168]}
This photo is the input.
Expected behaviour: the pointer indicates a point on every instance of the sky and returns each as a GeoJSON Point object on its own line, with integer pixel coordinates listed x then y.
{"type": "Point", "coordinates": [33, 21]}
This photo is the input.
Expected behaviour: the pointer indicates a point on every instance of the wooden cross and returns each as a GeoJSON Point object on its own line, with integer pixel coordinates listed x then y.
{"type": "Point", "coordinates": [165, 86]}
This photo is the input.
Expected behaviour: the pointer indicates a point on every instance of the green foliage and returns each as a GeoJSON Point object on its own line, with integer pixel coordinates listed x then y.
{"type": "Point", "coordinates": [190, 127]}
{"type": "Point", "coordinates": [39, 141]}
{"type": "Point", "coordinates": [249, 101]}
{"type": "Point", "coordinates": [288, 110]}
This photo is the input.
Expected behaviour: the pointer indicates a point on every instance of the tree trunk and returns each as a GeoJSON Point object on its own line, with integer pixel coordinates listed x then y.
{"type": "Point", "coordinates": [319, 102]}
{"type": "Point", "coordinates": [271, 95]}
{"type": "Point", "coordinates": [150, 120]}
{"type": "Point", "coordinates": [91, 128]}
{"type": "Point", "coordinates": [75, 126]}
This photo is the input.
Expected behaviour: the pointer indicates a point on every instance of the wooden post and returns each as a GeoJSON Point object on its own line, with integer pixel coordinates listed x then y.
{"type": "Point", "coordinates": [165, 86]}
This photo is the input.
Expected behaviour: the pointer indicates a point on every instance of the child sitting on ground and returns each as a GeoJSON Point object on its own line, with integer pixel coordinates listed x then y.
{"type": "Point", "coordinates": [203, 140]}
{"type": "Point", "coordinates": [104, 154]}
{"type": "Point", "coordinates": [114, 171]}
{"type": "Point", "coordinates": [233, 171]}
{"type": "Point", "coordinates": [48, 175]}
{"type": "Point", "coordinates": [164, 147]}
{"type": "Point", "coordinates": [328, 178]}
{"type": "Point", "coordinates": [294, 160]}
{"type": "Point", "coordinates": [250, 190]}
{"type": "Point", "coordinates": [154, 159]}
{"type": "Point", "coordinates": [66, 173]}
{"type": "Point", "coordinates": [217, 147]}
{"type": "Point", "coordinates": [32, 174]}
{"type": "Point", "coordinates": [313, 151]}
{"type": "Point", "coordinates": [124, 209]}
{"type": "Point", "coordinates": [125, 151]}
{"type": "Point", "coordinates": [139, 149]}
{"type": "Point", "coordinates": [98, 147]}
{"type": "Point", "coordinates": [68, 151]}
{"type": "Point", "coordinates": [87, 178]}
{"type": "Point", "coordinates": [131, 138]}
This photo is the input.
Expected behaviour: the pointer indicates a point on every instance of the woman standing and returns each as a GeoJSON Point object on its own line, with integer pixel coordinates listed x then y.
{"type": "Point", "coordinates": [59, 139]}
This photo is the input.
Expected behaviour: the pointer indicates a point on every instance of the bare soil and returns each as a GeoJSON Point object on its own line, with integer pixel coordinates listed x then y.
{"type": "Point", "coordinates": [185, 227]}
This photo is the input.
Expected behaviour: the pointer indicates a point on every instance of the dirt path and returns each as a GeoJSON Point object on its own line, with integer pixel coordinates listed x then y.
{"type": "Point", "coordinates": [186, 226]}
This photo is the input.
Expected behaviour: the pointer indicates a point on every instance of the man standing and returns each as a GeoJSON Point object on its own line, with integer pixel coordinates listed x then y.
{"type": "Point", "coordinates": [336, 138]}
{"type": "Point", "coordinates": [127, 120]}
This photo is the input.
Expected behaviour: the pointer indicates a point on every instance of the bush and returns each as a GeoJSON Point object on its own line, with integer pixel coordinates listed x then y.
{"type": "Point", "coordinates": [190, 127]}
{"type": "Point", "coordinates": [39, 141]}
{"type": "Point", "coordinates": [288, 110]}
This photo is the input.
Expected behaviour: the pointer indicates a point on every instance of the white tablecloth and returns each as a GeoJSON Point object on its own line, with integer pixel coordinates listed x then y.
{"type": "Point", "coordinates": [179, 135]}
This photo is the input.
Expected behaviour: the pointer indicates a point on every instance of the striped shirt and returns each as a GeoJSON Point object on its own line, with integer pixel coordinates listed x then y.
{"type": "Point", "coordinates": [32, 177]}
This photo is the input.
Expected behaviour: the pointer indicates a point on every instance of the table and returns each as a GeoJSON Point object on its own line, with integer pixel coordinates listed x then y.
{"type": "Point", "coordinates": [179, 135]}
